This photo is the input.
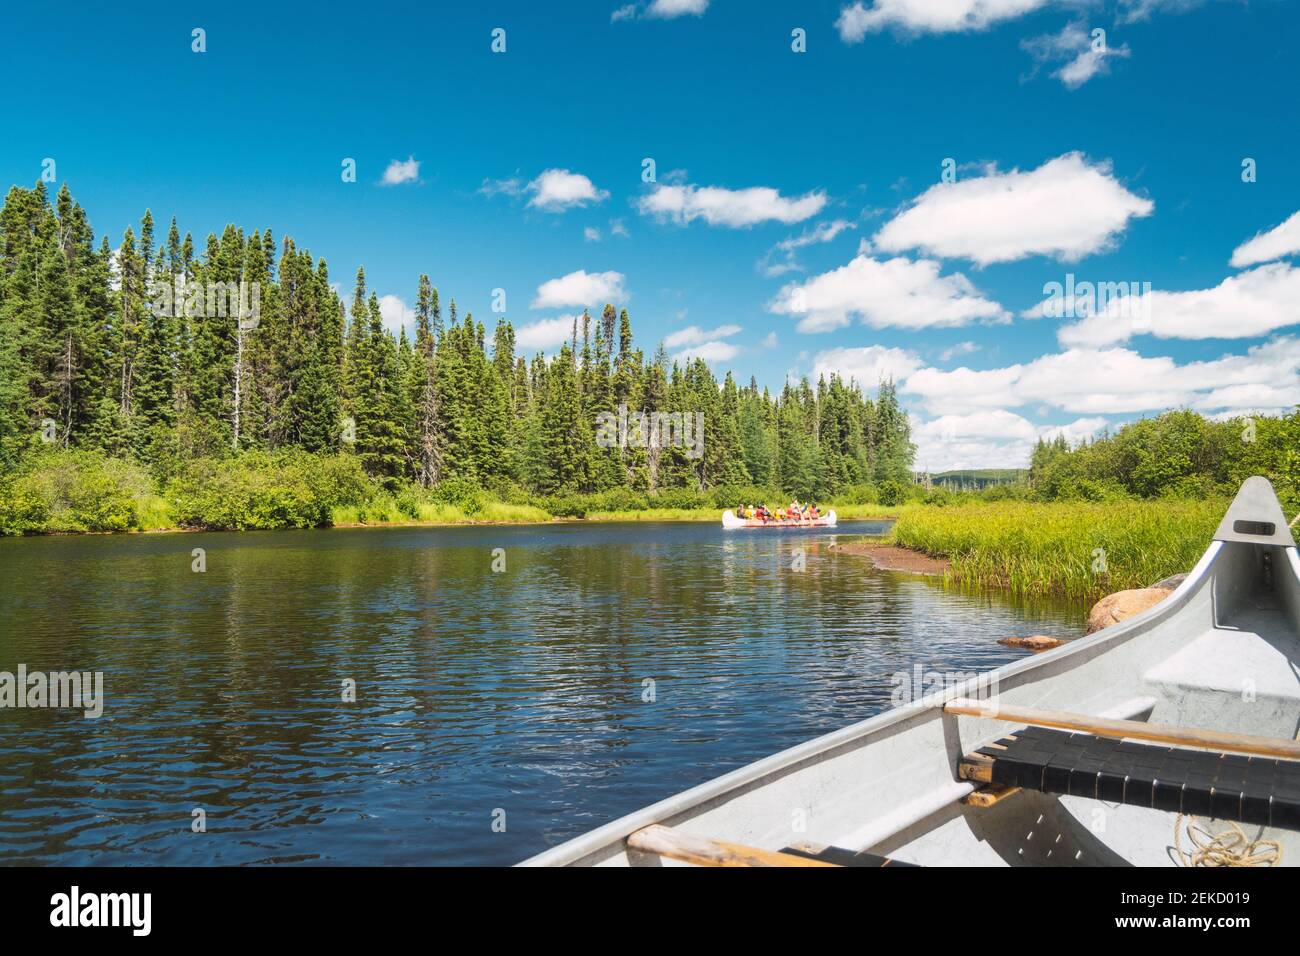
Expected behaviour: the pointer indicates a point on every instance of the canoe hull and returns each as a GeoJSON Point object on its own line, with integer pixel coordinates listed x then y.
{"type": "Point", "coordinates": [732, 523]}
{"type": "Point", "coordinates": [889, 784]}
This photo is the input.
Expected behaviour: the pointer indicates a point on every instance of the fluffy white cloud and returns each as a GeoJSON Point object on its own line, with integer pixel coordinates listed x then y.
{"type": "Point", "coordinates": [707, 344]}
{"type": "Point", "coordinates": [556, 190]}
{"type": "Point", "coordinates": [867, 366]}
{"type": "Point", "coordinates": [988, 439]}
{"type": "Point", "coordinates": [709, 351]}
{"type": "Point", "coordinates": [897, 292]}
{"type": "Point", "coordinates": [694, 335]}
{"type": "Point", "coordinates": [1245, 305]}
{"type": "Point", "coordinates": [1266, 246]}
{"type": "Point", "coordinates": [735, 208]}
{"type": "Point", "coordinates": [927, 16]}
{"type": "Point", "coordinates": [1119, 381]}
{"type": "Point", "coordinates": [1086, 56]}
{"type": "Point", "coordinates": [397, 315]}
{"type": "Point", "coordinates": [545, 333]}
{"type": "Point", "coordinates": [580, 288]}
{"type": "Point", "coordinates": [591, 234]}
{"type": "Point", "coordinates": [1066, 208]}
{"type": "Point", "coordinates": [401, 172]}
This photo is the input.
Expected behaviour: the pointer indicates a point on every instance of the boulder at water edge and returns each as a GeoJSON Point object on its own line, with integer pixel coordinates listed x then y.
{"type": "Point", "coordinates": [1123, 604]}
{"type": "Point", "coordinates": [1034, 642]}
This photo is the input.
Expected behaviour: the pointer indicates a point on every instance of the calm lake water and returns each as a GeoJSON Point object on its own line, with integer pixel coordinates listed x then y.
{"type": "Point", "coordinates": [520, 691]}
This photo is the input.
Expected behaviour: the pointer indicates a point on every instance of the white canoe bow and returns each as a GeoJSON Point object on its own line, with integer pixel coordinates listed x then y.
{"type": "Point", "coordinates": [1211, 673]}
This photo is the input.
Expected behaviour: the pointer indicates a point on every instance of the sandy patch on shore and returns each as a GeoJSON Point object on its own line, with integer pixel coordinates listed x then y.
{"type": "Point", "coordinates": [888, 557]}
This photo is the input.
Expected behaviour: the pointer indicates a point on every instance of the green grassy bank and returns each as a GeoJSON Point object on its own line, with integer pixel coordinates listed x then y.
{"type": "Point", "coordinates": [1080, 550]}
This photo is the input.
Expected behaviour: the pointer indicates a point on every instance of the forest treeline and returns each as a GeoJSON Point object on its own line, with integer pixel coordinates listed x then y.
{"type": "Point", "coordinates": [192, 365]}
{"type": "Point", "coordinates": [1180, 454]}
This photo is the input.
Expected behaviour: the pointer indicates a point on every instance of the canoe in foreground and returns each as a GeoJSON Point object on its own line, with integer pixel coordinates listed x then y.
{"type": "Point", "coordinates": [729, 520]}
{"type": "Point", "coordinates": [1191, 706]}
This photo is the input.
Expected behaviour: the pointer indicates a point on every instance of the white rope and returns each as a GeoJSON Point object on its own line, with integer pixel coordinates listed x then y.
{"type": "Point", "coordinates": [1225, 848]}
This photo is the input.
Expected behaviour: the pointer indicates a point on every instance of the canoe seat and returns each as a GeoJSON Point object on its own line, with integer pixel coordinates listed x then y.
{"type": "Point", "coordinates": [1255, 790]}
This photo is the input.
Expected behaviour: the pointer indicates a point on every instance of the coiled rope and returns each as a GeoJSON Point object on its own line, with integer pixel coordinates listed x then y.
{"type": "Point", "coordinates": [1225, 848]}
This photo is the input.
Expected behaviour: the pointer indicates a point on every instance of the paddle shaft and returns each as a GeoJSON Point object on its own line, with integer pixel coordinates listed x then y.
{"type": "Point", "coordinates": [1131, 729]}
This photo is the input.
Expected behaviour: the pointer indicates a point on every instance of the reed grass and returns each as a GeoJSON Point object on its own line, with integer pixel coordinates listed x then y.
{"type": "Point", "coordinates": [1075, 550]}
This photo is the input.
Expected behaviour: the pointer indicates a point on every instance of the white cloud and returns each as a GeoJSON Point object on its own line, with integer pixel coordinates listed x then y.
{"type": "Point", "coordinates": [769, 340]}
{"type": "Point", "coordinates": [1119, 381]}
{"type": "Point", "coordinates": [709, 351]}
{"type": "Point", "coordinates": [961, 348]}
{"type": "Point", "coordinates": [928, 16]}
{"type": "Point", "coordinates": [867, 366]}
{"type": "Point", "coordinates": [580, 288]}
{"type": "Point", "coordinates": [1132, 11]}
{"type": "Point", "coordinates": [897, 292]}
{"type": "Point", "coordinates": [1087, 56]}
{"type": "Point", "coordinates": [694, 335]}
{"type": "Point", "coordinates": [822, 232]}
{"type": "Point", "coordinates": [401, 172]}
{"type": "Point", "coordinates": [1266, 246]}
{"type": "Point", "coordinates": [1066, 208]}
{"type": "Point", "coordinates": [660, 10]}
{"type": "Point", "coordinates": [556, 190]}
{"type": "Point", "coordinates": [397, 315]}
{"type": "Point", "coordinates": [1245, 305]}
{"type": "Point", "coordinates": [502, 187]}
{"type": "Point", "coordinates": [591, 234]}
{"type": "Point", "coordinates": [734, 208]}
{"type": "Point", "coordinates": [616, 228]}
{"type": "Point", "coordinates": [545, 333]}
{"type": "Point", "coordinates": [988, 439]}
{"type": "Point", "coordinates": [667, 9]}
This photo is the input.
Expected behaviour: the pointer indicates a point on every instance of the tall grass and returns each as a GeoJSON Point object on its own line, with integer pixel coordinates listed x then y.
{"type": "Point", "coordinates": [1073, 549]}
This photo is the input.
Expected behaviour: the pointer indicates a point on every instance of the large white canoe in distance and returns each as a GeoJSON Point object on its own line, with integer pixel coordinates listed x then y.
{"type": "Point", "coordinates": [1144, 740]}
{"type": "Point", "coordinates": [730, 521]}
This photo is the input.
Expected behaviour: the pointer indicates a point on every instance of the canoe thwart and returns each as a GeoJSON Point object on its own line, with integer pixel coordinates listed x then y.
{"type": "Point", "coordinates": [1128, 729]}
{"type": "Point", "coordinates": [841, 857]}
{"type": "Point", "coordinates": [665, 841]}
{"type": "Point", "coordinates": [1259, 791]}
{"type": "Point", "coordinates": [989, 795]}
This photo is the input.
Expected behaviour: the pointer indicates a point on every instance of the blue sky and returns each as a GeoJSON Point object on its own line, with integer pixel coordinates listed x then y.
{"type": "Point", "coordinates": [798, 221]}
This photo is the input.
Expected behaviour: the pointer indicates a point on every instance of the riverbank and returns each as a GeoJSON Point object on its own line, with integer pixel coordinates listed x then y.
{"type": "Point", "coordinates": [1076, 550]}
{"type": "Point", "coordinates": [890, 557]}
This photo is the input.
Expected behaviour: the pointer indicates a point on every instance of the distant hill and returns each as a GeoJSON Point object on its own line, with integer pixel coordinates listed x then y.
{"type": "Point", "coordinates": [972, 478]}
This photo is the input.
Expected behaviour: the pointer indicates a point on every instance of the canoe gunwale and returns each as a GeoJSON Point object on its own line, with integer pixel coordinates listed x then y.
{"type": "Point", "coordinates": [607, 840]}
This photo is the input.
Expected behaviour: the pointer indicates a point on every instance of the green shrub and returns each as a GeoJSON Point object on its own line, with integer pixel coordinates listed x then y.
{"type": "Point", "coordinates": [892, 492]}
{"type": "Point", "coordinates": [464, 493]}
{"type": "Point", "coordinates": [565, 505]}
{"type": "Point", "coordinates": [261, 490]}
{"type": "Point", "coordinates": [864, 494]}
{"type": "Point", "coordinates": [683, 498]}
{"type": "Point", "coordinates": [74, 491]}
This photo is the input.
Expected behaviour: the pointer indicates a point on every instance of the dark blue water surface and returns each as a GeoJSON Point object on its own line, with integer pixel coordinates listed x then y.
{"type": "Point", "coordinates": [477, 692]}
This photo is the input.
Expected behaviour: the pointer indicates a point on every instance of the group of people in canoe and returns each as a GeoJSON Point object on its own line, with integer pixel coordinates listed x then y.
{"type": "Point", "coordinates": [796, 512]}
